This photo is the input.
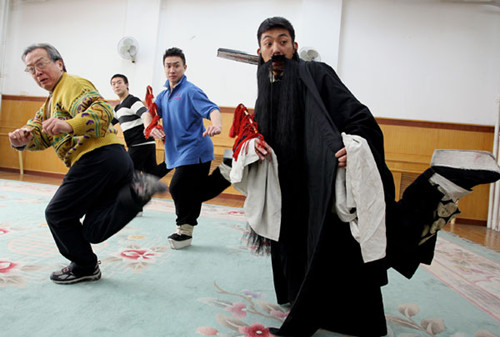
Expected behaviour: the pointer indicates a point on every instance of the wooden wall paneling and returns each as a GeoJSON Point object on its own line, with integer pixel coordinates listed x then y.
{"type": "Point", "coordinates": [408, 148]}
{"type": "Point", "coordinates": [8, 156]}
{"type": "Point", "coordinates": [17, 110]}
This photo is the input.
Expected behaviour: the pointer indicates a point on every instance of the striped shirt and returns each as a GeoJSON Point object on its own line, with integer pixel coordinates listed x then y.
{"type": "Point", "coordinates": [128, 113]}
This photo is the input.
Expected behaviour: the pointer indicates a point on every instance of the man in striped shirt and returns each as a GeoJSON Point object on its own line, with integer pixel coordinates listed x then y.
{"type": "Point", "coordinates": [128, 113]}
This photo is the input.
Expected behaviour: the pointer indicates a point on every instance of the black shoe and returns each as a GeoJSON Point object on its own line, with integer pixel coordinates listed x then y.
{"type": "Point", "coordinates": [66, 275]}
{"type": "Point", "coordinates": [274, 331]}
{"type": "Point", "coordinates": [145, 185]}
{"type": "Point", "coordinates": [182, 237]}
{"type": "Point", "coordinates": [466, 168]}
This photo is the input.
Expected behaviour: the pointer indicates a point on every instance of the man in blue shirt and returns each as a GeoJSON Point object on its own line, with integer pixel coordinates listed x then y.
{"type": "Point", "coordinates": [188, 147]}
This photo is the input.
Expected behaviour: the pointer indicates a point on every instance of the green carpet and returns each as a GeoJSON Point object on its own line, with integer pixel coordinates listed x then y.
{"type": "Point", "coordinates": [214, 288]}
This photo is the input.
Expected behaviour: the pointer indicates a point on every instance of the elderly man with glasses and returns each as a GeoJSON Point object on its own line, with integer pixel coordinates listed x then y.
{"type": "Point", "coordinates": [101, 185]}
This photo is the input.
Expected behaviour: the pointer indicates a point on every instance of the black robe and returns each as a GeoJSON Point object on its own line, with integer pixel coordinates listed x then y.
{"type": "Point", "coordinates": [317, 264]}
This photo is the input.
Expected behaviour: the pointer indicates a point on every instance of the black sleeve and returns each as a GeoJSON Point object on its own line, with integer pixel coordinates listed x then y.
{"type": "Point", "coordinates": [352, 117]}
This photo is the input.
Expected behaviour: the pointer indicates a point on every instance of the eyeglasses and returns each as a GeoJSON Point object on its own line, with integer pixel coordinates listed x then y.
{"type": "Point", "coordinates": [40, 65]}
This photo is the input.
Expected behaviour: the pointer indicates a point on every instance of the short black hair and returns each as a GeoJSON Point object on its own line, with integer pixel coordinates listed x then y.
{"type": "Point", "coordinates": [125, 79]}
{"type": "Point", "coordinates": [174, 51]}
{"type": "Point", "coordinates": [50, 49]}
{"type": "Point", "coordinates": [275, 22]}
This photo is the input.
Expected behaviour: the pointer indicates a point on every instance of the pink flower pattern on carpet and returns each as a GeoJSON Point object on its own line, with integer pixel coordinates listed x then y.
{"type": "Point", "coordinates": [480, 275]}
{"type": "Point", "coordinates": [138, 254]}
{"type": "Point", "coordinates": [207, 331]}
{"type": "Point", "coordinates": [6, 266]}
{"type": "Point", "coordinates": [471, 275]}
{"type": "Point", "coordinates": [255, 330]}
{"type": "Point", "coordinates": [238, 309]}
{"type": "Point", "coordinates": [253, 306]}
{"type": "Point", "coordinates": [14, 273]}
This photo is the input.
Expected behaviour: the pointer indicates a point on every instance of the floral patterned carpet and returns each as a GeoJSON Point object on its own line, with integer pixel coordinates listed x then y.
{"type": "Point", "coordinates": [214, 288]}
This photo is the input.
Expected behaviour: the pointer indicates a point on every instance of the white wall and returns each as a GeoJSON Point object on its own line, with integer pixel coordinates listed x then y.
{"type": "Point", "coordinates": [200, 27]}
{"type": "Point", "coordinates": [86, 33]}
{"type": "Point", "coordinates": [423, 60]}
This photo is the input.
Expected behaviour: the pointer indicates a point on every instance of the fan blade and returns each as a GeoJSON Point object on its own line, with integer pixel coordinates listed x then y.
{"type": "Point", "coordinates": [237, 55]}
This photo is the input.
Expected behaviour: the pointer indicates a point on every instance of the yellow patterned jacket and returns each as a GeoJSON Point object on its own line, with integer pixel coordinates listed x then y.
{"type": "Point", "coordinates": [76, 101]}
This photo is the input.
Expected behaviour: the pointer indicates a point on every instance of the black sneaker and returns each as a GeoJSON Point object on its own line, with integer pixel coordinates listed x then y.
{"type": "Point", "coordinates": [182, 237]}
{"type": "Point", "coordinates": [145, 185]}
{"type": "Point", "coordinates": [66, 275]}
{"type": "Point", "coordinates": [466, 168]}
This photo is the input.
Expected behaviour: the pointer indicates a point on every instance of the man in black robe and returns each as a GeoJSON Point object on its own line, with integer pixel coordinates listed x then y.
{"type": "Point", "coordinates": [302, 108]}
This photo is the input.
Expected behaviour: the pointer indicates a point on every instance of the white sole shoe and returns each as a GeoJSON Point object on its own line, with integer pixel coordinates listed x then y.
{"type": "Point", "coordinates": [174, 244]}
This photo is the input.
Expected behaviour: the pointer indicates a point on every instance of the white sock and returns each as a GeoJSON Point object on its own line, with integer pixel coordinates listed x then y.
{"type": "Point", "coordinates": [185, 230]}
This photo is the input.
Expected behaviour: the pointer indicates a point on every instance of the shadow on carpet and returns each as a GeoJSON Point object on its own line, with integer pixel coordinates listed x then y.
{"type": "Point", "coordinates": [214, 288]}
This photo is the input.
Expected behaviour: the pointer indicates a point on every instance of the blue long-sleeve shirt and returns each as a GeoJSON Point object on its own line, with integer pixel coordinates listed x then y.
{"type": "Point", "coordinates": [182, 111]}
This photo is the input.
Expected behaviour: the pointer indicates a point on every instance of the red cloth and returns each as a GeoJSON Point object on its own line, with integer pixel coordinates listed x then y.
{"type": "Point", "coordinates": [244, 128]}
{"type": "Point", "coordinates": [153, 110]}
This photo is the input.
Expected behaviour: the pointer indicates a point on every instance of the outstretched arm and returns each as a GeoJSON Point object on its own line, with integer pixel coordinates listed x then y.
{"type": "Point", "coordinates": [31, 136]}
{"type": "Point", "coordinates": [20, 137]}
{"type": "Point", "coordinates": [216, 127]}
{"type": "Point", "coordinates": [156, 133]}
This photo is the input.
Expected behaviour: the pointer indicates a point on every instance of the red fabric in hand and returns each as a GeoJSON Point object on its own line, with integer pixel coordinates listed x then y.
{"type": "Point", "coordinates": [153, 111]}
{"type": "Point", "coordinates": [244, 128]}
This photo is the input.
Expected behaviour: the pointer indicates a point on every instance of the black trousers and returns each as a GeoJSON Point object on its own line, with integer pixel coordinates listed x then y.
{"type": "Point", "coordinates": [336, 302]}
{"type": "Point", "coordinates": [144, 159]}
{"type": "Point", "coordinates": [190, 186]}
{"type": "Point", "coordinates": [97, 186]}
{"type": "Point", "coordinates": [405, 222]}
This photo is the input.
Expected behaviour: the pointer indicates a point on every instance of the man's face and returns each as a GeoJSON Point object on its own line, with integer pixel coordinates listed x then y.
{"type": "Point", "coordinates": [45, 72]}
{"type": "Point", "coordinates": [174, 69]}
{"type": "Point", "coordinates": [276, 41]}
{"type": "Point", "coordinates": [119, 86]}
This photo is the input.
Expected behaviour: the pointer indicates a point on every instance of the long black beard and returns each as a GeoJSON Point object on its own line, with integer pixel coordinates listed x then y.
{"type": "Point", "coordinates": [279, 110]}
